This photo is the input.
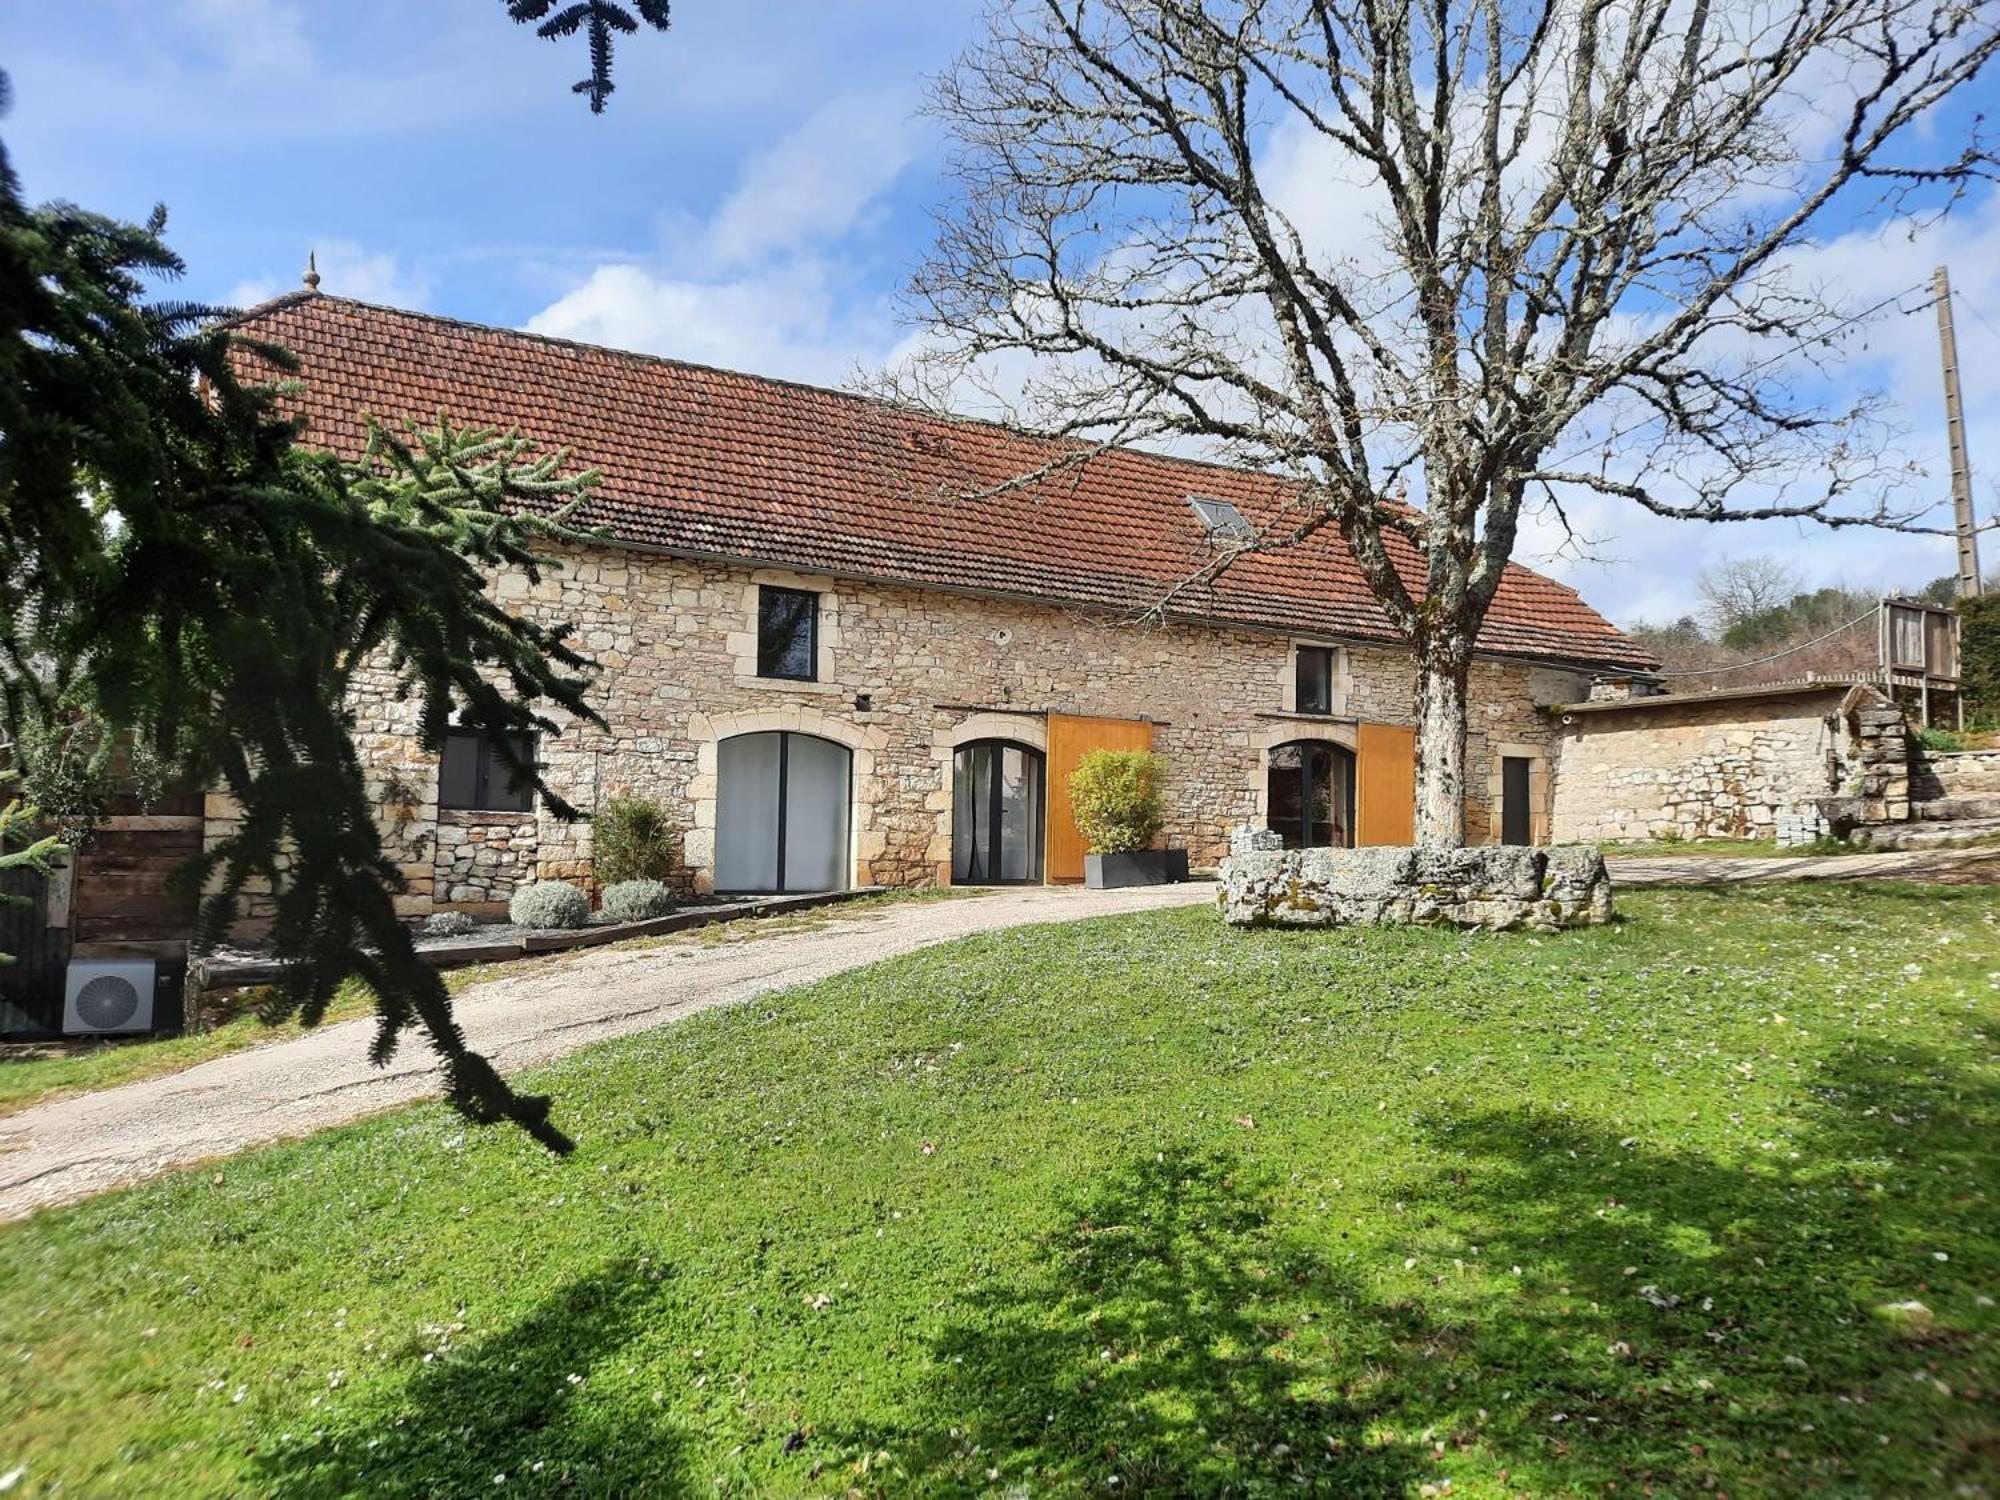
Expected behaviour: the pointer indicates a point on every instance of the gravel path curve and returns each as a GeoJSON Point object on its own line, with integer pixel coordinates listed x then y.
{"type": "Point", "coordinates": [75, 1147]}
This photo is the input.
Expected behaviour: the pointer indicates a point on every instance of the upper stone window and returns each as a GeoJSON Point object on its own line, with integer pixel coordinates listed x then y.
{"type": "Point", "coordinates": [1314, 680]}
{"type": "Point", "coordinates": [475, 775]}
{"type": "Point", "coordinates": [787, 633]}
{"type": "Point", "coordinates": [1222, 519]}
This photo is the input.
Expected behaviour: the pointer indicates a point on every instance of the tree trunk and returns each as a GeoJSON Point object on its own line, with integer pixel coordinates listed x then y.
{"type": "Point", "coordinates": [1441, 676]}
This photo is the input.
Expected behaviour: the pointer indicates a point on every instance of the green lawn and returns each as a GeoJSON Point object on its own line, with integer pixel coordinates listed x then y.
{"type": "Point", "coordinates": [1132, 1205]}
{"type": "Point", "coordinates": [1726, 848]}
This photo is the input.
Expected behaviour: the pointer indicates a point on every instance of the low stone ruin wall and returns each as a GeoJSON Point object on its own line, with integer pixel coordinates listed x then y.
{"type": "Point", "coordinates": [1493, 887]}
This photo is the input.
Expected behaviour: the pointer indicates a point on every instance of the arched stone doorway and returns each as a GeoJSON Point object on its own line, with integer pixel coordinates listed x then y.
{"type": "Point", "coordinates": [1309, 794]}
{"type": "Point", "coordinates": [996, 813]}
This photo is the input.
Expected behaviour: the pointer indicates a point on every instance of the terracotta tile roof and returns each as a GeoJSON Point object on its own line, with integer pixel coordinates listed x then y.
{"type": "Point", "coordinates": [711, 463]}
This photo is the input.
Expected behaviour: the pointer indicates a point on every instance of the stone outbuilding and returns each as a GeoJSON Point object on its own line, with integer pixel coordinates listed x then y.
{"type": "Point", "coordinates": [1757, 762]}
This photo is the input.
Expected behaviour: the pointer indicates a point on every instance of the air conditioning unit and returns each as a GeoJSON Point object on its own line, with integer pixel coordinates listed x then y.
{"type": "Point", "coordinates": [111, 996]}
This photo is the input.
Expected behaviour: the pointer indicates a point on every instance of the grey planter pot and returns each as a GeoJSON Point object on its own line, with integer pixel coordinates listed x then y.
{"type": "Point", "coordinates": [1110, 872]}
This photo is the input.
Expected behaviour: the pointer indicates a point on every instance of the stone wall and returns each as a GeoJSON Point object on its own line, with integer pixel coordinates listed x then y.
{"type": "Point", "coordinates": [1751, 768]}
{"type": "Point", "coordinates": [905, 676]}
{"type": "Point", "coordinates": [1497, 889]}
{"type": "Point", "coordinates": [483, 856]}
{"type": "Point", "coordinates": [1880, 755]}
{"type": "Point", "coordinates": [1954, 773]}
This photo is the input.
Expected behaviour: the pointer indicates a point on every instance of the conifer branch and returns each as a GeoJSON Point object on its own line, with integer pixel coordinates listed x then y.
{"type": "Point", "coordinates": [597, 19]}
{"type": "Point", "coordinates": [175, 567]}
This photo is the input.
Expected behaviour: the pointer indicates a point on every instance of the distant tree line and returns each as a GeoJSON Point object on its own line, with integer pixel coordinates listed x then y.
{"type": "Point", "coordinates": [1754, 608]}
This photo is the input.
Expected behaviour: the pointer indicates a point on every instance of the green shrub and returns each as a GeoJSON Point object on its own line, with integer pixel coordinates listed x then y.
{"type": "Point", "coordinates": [631, 838]}
{"type": "Point", "coordinates": [1942, 740]}
{"type": "Point", "coordinates": [1979, 655]}
{"type": "Point", "coordinates": [636, 900]}
{"type": "Point", "coordinates": [448, 924]}
{"type": "Point", "coordinates": [550, 903]}
{"type": "Point", "coordinates": [1115, 797]}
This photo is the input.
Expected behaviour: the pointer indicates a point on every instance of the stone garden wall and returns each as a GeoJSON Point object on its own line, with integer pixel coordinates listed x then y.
{"type": "Point", "coordinates": [1750, 768]}
{"type": "Point", "coordinates": [1497, 889]}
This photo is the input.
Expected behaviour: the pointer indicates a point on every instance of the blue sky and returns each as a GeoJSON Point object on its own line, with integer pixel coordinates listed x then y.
{"type": "Point", "coordinates": [754, 197]}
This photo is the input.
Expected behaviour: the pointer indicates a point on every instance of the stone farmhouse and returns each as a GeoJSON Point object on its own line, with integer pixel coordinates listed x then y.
{"type": "Point", "coordinates": [845, 650]}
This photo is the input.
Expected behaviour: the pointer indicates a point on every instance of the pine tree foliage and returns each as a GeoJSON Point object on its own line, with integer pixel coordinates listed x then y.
{"type": "Point", "coordinates": [20, 848]}
{"type": "Point", "coordinates": [174, 564]}
{"type": "Point", "coordinates": [597, 19]}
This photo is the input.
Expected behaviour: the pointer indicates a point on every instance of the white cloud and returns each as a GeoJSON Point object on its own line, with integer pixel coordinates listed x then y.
{"type": "Point", "coordinates": [346, 269]}
{"type": "Point", "coordinates": [252, 36]}
{"type": "Point", "coordinates": [815, 184]}
{"type": "Point", "coordinates": [765, 284]}
{"type": "Point", "coordinates": [785, 322]}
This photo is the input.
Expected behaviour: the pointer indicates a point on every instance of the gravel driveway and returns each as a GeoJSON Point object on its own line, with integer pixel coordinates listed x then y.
{"type": "Point", "coordinates": [1979, 866]}
{"type": "Point", "coordinates": [71, 1148]}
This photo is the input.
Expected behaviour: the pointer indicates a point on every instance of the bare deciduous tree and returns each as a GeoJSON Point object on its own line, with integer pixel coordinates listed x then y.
{"type": "Point", "coordinates": [1479, 252]}
{"type": "Point", "coordinates": [1741, 588]}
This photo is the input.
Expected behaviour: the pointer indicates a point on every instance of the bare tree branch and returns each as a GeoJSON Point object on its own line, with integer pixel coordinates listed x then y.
{"type": "Point", "coordinates": [1486, 247]}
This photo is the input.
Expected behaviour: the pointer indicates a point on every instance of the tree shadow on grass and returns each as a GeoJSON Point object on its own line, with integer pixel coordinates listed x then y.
{"type": "Point", "coordinates": [1161, 1353]}
{"type": "Point", "coordinates": [1554, 1309]}
{"type": "Point", "coordinates": [1683, 1324]}
{"type": "Point", "coordinates": [526, 1403]}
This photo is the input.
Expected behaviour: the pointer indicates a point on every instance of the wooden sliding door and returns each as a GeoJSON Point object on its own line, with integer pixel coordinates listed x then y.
{"type": "Point", "coordinates": [1385, 791]}
{"type": "Point", "coordinates": [1071, 737]}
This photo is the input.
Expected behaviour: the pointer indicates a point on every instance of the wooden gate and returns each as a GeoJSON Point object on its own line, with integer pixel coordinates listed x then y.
{"type": "Point", "coordinates": [1385, 792]}
{"type": "Point", "coordinates": [1071, 737]}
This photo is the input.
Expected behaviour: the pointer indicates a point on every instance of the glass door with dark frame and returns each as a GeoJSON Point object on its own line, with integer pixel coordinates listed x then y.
{"type": "Point", "coordinates": [996, 814]}
{"type": "Point", "coordinates": [1309, 799]}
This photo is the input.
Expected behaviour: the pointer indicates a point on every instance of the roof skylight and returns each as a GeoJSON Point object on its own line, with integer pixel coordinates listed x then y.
{"type": "Point", "coordinates": [1221, 518]}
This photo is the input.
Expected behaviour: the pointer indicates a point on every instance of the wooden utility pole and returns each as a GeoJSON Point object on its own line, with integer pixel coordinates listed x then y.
{"type": "Point", "coordinates": [1961, 465]}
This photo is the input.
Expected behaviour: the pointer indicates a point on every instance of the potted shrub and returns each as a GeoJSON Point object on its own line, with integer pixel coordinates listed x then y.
{"type": "Point", "coordinates": [1115, 798]}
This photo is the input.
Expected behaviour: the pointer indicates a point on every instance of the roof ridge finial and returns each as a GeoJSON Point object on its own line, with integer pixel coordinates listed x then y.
{"type": "Point", "coordinates": [311, 278]}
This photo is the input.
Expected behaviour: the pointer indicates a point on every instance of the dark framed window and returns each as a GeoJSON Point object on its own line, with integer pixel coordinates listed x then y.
{"type": "Point", "coordinates": [787, 634]}
{"type": "Point", "coordinates": [476, 776]}
{"type": "Point", "coordinates": [1315, 680]}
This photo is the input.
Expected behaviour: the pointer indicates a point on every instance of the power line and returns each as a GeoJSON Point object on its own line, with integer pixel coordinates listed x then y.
{"type": "Point", "coordinates": [1873, 610]}
{"type": "Point", "coordinates": [1967, 303]}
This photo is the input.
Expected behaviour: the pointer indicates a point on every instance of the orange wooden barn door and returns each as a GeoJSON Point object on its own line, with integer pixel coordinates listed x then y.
{"type": "Point", "coordinates": [1071, 737]}
{"type": "Point", "coordinates": [1385, 791]}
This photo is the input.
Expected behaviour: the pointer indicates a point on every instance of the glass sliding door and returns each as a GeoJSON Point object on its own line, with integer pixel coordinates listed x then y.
{"type": "Point", "coordinates": [996, 814]}
{"type": "Point", "coordinates": [781, 806]}
{"type": "Point", "coordinates": [1309, 795]}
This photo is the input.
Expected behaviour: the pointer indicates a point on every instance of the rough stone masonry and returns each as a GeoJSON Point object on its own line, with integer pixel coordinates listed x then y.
{"type": "Point", "coordinates": [1496, 888]}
